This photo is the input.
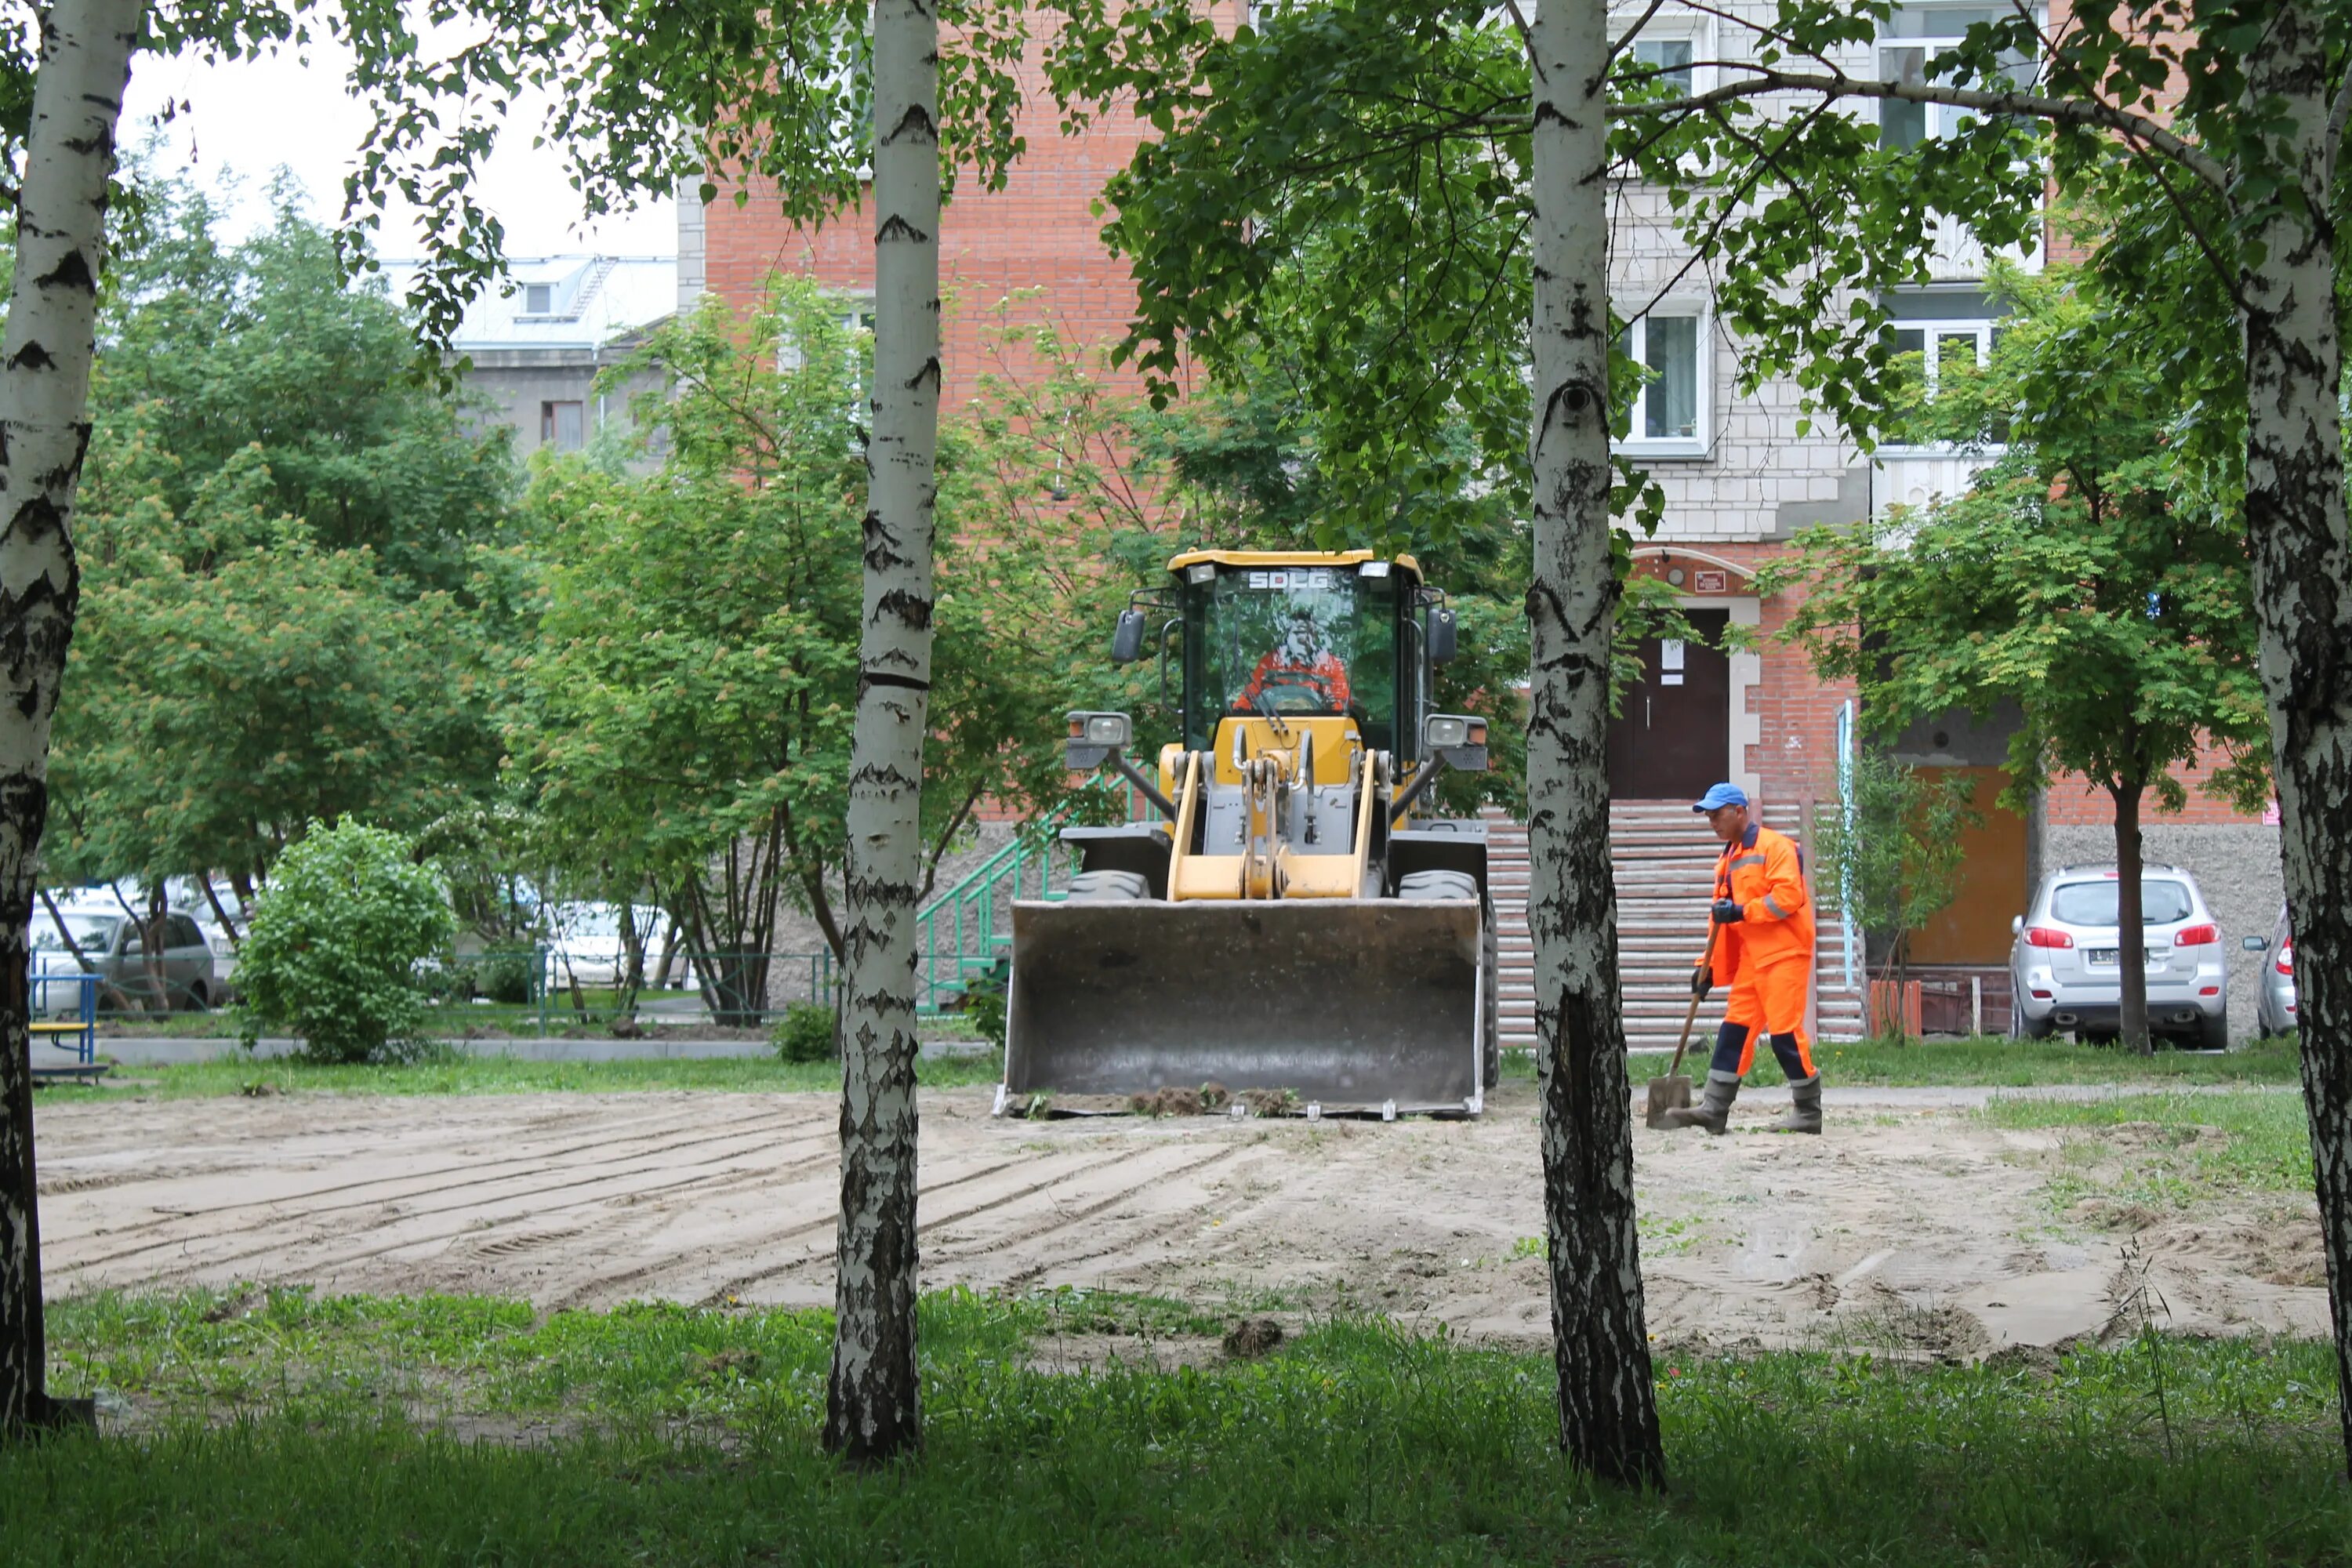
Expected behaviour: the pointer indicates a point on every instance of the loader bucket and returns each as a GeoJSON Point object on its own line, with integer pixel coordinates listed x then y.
{"type": "Point", "coordinates": [1351, 1004]}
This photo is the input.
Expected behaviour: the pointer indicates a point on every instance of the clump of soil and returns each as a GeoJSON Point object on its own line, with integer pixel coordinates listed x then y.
{"type": "Point", "coordinates": [1169, 1101]}
{"type": "Point", "coordinates": [1215, 1097]}
{"type": "Point", "coordinates": [1252, 1338]}
{"type": "Point", "coordinates": [1270, 1101]}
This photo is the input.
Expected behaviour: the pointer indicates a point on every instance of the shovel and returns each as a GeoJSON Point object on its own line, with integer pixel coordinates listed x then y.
{"type": "Point", "coordinates": [1673, 1092]}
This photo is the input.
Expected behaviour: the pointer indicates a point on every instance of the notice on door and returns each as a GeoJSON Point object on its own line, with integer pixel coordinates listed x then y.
{"type": "Point", "coordinates": [1670, 661]}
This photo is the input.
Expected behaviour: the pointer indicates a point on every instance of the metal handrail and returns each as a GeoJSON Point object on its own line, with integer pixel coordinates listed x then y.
{"type": "Point", "coordinates": [973, 942]}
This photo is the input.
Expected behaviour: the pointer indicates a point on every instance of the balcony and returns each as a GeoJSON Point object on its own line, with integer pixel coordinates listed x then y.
{"type": "Point", "coordinates": [1915, 478]}
{"type": "Point", "coordinates": [1959, 258]}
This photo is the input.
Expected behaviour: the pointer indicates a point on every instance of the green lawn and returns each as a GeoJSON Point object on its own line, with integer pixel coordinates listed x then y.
{"type": "Point", "coordinates": [2163, 1151]}
{"type": "Point", "coordinates": [283, 1429]}
{"type": "Point", "coordinates": [501, 1074]}
{"type": "Point", "coordinates": [1992, 1061]}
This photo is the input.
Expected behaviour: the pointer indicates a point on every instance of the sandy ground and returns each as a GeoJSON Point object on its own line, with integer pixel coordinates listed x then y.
{"type": "Point", "coordinates": [1914, 1229]}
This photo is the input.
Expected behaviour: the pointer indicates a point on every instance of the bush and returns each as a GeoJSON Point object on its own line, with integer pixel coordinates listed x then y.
{"type": "Point", "coordinates": [506, 976]}
{"type": "Point", "coordinates": [804, 1034]}
{"type": "Point", "coordinates": [984, 1010]}
{"type": "Point", "coordinates": [335, 942]}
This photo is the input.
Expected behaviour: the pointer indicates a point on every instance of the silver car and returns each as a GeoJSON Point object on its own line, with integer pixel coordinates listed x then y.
{"type": "Point", "coordinates": [2063, 961]}
{"type": "Point", "coordinates": [182, 975]}
{"type": "Point", "coordinates": [2274, 999]}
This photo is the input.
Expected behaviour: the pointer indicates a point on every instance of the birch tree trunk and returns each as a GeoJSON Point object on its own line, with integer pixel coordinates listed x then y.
{"type": "Point", "coordinates": [873, 1409]}
{"type": "Point", "coordinates": [85, 60]}
{"type": "Point", "coordinates": [2297, 527]}
{"type": "Point", "coordinates": [1608, 1408]}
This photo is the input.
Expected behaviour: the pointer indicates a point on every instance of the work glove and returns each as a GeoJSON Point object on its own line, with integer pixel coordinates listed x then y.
{"type": "Point", "coordinates": [1702, 982]}
{"type": "Point", "coordinates": [1727, 912]}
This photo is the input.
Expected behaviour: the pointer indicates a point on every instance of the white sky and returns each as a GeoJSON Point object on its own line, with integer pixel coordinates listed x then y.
{"type": "Point", "coordinates": [246, 118]}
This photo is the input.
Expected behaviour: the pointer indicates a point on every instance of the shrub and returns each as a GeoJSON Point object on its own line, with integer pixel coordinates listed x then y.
{"type": "Point", "coordinates": [804, 1034]}
{"type": "Point", "coordinates": [506, 976]}
{"type": "Point", "coordinates": [333, 953]}
{"type": "Point", "coordinates": [985, 1012]}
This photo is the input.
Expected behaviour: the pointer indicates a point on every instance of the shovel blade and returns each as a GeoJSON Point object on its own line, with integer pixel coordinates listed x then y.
{"type": "Point", "coordinates": [1671, 1093]}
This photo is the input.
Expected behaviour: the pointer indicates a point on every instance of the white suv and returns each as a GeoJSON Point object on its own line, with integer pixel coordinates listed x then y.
{"type": "Point", "coordinates": [2063, 961]}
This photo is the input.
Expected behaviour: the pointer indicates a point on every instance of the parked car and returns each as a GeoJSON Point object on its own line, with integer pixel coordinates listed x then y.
{"type": "Point", "coordinates": [584, 940]}
{"type": "Point", "coordinates": [115, 946]}
{"type": "Point", "coordinates": [2063, 961]}
{"type": "Point", "coordinates": [2274, 998]}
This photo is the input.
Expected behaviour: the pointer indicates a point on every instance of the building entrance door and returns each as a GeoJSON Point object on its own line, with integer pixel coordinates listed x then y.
{"type": "Point", "coordinates": [1672, 735]}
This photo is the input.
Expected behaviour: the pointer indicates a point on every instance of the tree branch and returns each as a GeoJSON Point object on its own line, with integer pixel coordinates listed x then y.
{"type": "Point", "coordinates": [2028, 105]}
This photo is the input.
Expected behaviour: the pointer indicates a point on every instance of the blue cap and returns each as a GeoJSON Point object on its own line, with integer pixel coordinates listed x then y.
{"type": "Point", "coordinates": [1721, 795]}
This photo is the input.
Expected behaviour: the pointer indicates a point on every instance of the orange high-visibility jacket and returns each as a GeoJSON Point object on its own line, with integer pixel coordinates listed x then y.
{"type": "Point", "coordinates": [1761, 869]}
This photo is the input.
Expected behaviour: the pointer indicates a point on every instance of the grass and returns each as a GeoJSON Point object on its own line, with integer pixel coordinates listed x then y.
{"type": "Point", "coordinates": [286, 1428]}
{"type": "Point", "coordinates": [2157, 1153]}
{"type": "Point", "coordinates": [1991, 1061]}
{"type": "Point", "coordinates": [500, 1075]}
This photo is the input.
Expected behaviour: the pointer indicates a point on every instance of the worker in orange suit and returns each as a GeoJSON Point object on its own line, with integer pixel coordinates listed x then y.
{"type": "Point", "coordinates": [1764, 952]}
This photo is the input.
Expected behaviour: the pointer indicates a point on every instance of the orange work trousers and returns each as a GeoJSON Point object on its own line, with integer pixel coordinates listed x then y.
{"type": "Point", "coordinates": [1770, 1000]}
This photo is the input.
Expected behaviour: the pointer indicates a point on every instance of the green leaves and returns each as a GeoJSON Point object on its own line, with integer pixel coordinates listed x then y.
{"type": "Point", "coordinates": [2092, 578]}
{"type": "Point", "coordinates": [332, 951]}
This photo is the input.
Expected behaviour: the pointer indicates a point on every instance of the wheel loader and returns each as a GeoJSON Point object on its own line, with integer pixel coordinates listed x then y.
{"type": "Point", "coordinates": [1291, 923]}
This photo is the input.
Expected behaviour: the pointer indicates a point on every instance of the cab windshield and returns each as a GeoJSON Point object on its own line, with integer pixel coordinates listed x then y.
{"type": "Point", "coordinates": [1294, 639]}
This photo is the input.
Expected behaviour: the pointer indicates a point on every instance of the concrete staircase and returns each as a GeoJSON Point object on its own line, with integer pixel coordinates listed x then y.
{"type": "Point", "coordinates": [1664, 861]}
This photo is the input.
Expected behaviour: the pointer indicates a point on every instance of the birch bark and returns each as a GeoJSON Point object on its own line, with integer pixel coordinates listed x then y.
{"type": "Point", "coordinates": [873, 1406]}
{"type": "Point", "coordinates": [85, 60]}
{"type": "Point", "coordinates": [1608, 1409]}
{"type": "Point", "coordinates": [2295, 524]}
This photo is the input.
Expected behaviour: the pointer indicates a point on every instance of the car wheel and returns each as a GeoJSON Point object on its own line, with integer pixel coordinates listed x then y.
{"type": "Point", "coordinates": [2022, 1027]}
{"type": "Point", "coordinates": [2213, 1033]}
{"type": "Point", "coordinates": [198, 999]}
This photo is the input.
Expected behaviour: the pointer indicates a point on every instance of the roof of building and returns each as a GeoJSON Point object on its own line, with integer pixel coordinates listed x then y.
{"type": "Point", "coordinates": [562, 301]}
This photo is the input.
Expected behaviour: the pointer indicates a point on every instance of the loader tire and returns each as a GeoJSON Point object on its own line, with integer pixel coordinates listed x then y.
{"type": "Point", "coordinates": [1108, 887]}
{"type": "Point", "coordinates": [1437, 885]}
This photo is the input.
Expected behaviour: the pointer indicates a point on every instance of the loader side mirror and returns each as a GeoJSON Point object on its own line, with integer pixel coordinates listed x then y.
{"type": "Point", "coordinates": [1127, 642]}
{"type": "Point", "coordinates": [1441, 636]}
{"type": "Point", "coordinates": [1459, 739]}
{"type": "Point", "coordinates": [1096, 737]}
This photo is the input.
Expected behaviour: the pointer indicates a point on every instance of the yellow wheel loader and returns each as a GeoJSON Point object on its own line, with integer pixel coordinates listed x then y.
{"type": "Point", "coordinates": [1288, 924]}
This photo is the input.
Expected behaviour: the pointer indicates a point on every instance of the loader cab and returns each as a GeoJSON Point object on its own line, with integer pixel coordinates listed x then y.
{"type": "Point", "coordinates": [1315, 635]}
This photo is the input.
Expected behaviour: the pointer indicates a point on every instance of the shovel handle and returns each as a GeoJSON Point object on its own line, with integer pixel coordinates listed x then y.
{"type": "Point", "coordinates": [1690, 1015]}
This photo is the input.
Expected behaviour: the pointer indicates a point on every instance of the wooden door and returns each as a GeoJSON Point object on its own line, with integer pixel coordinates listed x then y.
{"type": "Point", "coordinates": [1672, 735]}
{"type": "Point", "coordinates": [1974, 927]}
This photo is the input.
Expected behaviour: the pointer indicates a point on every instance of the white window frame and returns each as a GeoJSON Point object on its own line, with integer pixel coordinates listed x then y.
{"type": "Point", "coordinates": [1936, 329]}
{"type": "Point", "coordinates": [1942, 120]}
{"type": "Point", "coordinates": [1700, 443]}
{"type": "Point", "coordinates": [1673, 25]}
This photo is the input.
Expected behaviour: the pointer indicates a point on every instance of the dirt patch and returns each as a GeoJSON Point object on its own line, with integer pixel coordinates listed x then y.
{"type": "Point", "coordinates": [1921, 1231]}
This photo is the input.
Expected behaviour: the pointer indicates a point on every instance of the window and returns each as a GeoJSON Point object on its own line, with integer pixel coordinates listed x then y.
{"type": "Point", "coordinates": [1946, 349]}
{"type": "Point", "coordinates": [537, 298]}
{"type": "Point", "coordinates": [1670, 59]}
{"type": "Point", "coordinates": [563, 425]}
{"type": "Point", "coordinates": [1670, 411]}
{"type": "Point", "coordinates": [2098, 903]}
{"type": "Point", "coordinates": [1935, 29]}
{"type": "Point", "coordinates": [183, 932]}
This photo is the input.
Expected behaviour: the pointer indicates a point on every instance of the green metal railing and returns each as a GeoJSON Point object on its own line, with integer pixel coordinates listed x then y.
{"type": "Point", "coordinates": [961, 936]}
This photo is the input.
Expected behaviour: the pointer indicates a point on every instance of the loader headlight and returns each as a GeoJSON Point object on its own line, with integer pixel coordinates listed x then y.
{"type": "Point", "coordinates": [1101, 729]}
{"type": "Point", "coordinates": [1459, 738]}
{"type": "Point", "coordinates": [1094, 736]}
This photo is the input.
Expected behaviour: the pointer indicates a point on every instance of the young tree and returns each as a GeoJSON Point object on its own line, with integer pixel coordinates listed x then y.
{"type": "Point", "coordinates": [2085, 581]}
{"type": "Point", "coordinates": [1892, 862]}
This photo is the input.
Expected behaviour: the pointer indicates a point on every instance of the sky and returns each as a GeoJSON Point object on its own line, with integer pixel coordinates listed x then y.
{"type": "Point", "coordinates": [247, 117]}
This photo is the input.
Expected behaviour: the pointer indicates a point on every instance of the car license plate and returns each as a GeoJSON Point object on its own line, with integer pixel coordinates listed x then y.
{"type": "Point", "coordinates": [2099, 957]}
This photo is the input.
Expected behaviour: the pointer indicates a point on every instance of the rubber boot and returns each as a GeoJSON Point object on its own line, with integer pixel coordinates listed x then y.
{"type": "Point", "coordinates": [1805, 1106]}
{"type": "Point", "coordinates": [1713, 1111]}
